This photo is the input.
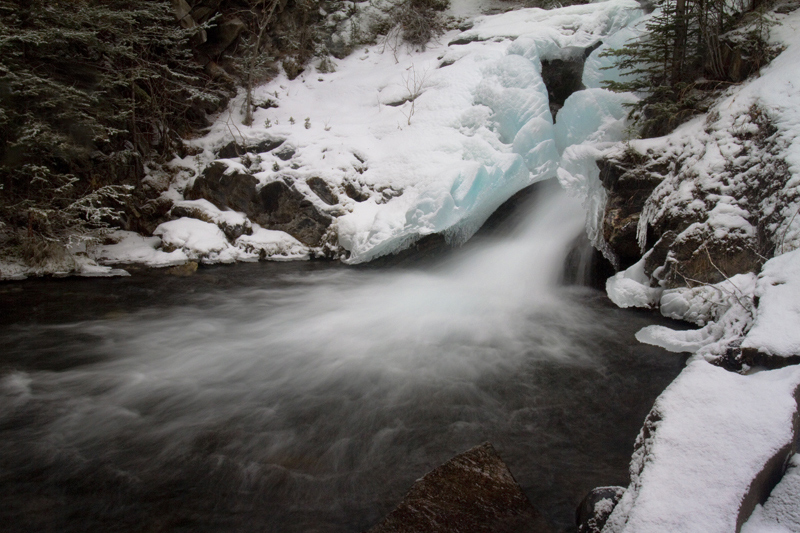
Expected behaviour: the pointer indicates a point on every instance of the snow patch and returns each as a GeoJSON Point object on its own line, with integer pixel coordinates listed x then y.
{"type": "Point", "coordinates": [776, 330]}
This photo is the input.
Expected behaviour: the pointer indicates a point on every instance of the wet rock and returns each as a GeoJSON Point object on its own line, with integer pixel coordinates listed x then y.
{"type": "Point", "coordinates": [284, 208]}
{"type": "Point", "coordinates": [628, 186]}
{"type": "Point", "coordinates": [235, 149]}
{"type": "Point", "coordinates": [235, 190]}
{"type": "Point", "coordinates": [322, 190]}
{"type": "Point", "coordinates": [596, 507]}
{"type": "Point", "coordinates": [473, 492]}
{"type": "Point", "coordinates": [186, 269]}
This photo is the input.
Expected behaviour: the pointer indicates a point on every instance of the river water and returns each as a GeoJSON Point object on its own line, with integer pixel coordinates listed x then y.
{"type": "Point", "coordinates": [309, 396]}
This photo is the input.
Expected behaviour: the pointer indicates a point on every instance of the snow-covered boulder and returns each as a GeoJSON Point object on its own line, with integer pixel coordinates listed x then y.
{"type": "Point", "coordinates": [273, 245]}
{"type": "Point", "coordinates": [774, 339]}
{"type": "Point", "coordinates": [708, 451]}
{"type": "Point", "coordinates": [232, 223]}
{"type": "Point", "coordinates": [197, 239]}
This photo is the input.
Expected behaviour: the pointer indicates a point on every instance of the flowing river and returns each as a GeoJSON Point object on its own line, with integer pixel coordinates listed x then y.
{"type": "Point", "coordinates": [309, 396]}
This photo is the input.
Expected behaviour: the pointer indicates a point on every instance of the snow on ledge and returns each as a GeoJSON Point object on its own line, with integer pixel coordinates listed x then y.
{"type": "Point", "coordinates": [709, 439]}
{"type": "Point", "coordinates": [775, 331]}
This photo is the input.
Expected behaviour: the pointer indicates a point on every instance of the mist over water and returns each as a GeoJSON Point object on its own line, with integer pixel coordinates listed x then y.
{"type": "Point", "coordinates": [309, 399]}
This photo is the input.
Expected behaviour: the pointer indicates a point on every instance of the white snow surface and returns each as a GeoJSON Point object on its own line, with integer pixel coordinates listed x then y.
{"type": "Point", "coordinates": [630, 288]}
{"type": "Point", "coordinates": [197, 239]}
{"type": "Point", "coordinates": [776, 330]}
{"type": "Point", "coordinates": [451, 132]}
{"type": "Point", "coordinates": [276, 245]}
{"type": "Point", "coordinates": [204, 210]}
{"type": "Point", "coordinates": [130, 247]}
{"type": "Point", "coordinates": [710, 433]}
{"type": "Point", "coordinates": [781, 512]}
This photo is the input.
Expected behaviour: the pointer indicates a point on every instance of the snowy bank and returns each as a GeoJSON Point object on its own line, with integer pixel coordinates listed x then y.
{"type": "Point", "coordinates": [714, 242]}
{"type": "Point", "coordinates": [708, 450]}
{"type": "Point", "coordinates": [396, 145]}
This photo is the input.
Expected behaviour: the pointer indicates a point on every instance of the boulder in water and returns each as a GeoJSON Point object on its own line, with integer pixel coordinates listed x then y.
{"type": "Point", "coordinates": [472, 492]}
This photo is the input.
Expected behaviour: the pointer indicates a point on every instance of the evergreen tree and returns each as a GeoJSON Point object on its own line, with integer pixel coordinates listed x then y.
{"type": "Point", "coordinates": [683, 44]}
{"type": "Point", "coordinates": [89, 89]}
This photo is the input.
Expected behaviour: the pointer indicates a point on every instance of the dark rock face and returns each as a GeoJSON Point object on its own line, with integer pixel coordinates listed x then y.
{"type": "Point", "coordinates": [684, 242]}
{"type": "Point", "coordinates": [234, 149]}
{"type": "Point", "coordinates": [322, 190]}
{"type": "Point", "coordinates": [283, 208]}
{"type": "Point", "coordinates": [223, 35]}
{"type": "Point", "coordinates": [473, 492]}
{"type": "Point", "coordinates": [355, 192]}
{"type": "Point", "coordinates": [628, 186]}
{"type": "Point", "coordinates": [285, 153]}
{"type": "Point", "coordinates": [756, 358]}
{"type": "Point", "coordinates": [277, 205]}
{"type": "Point", "coordinates": [562, 78]}
{"type": "Point", "coordinates": [236, 190]}
{"type": "Point", "coordinates": [596, 507]}
{"type": "Point", "coordinates": [677, 260]}
{"type": "Point", "coordinates": [145, 218]}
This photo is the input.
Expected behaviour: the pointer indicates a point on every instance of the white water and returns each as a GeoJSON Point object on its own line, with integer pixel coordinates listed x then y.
{"type": "Point", "coordinates": [310, 402]}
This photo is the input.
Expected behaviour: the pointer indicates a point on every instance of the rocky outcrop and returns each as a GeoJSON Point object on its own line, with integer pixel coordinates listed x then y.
{"type": "Point", "coordinates": [237, 149]}
{"type": "Point", "coordinates": [628, 184]}
{"type": "Point", "coordinates": [225, 188]}
{"type": "Point", "coordinates": [278, 205]}
{"type": "Point", "coordinates": [473, 492]}
{"type": "Point", "coordinates": [698, 229]}
{"type": "Point", "coordinates": [282, 207]}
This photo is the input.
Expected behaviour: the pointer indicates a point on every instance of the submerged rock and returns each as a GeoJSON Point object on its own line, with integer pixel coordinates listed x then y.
{"type": "Point", "coordinates": [473, 492]}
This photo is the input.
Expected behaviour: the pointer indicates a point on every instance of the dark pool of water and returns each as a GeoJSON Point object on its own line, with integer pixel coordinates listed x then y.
{"type": "Point", "coordinates": [309, 397]}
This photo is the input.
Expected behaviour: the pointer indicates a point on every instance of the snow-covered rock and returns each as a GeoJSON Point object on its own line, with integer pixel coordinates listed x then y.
{"type": "Point", "coordinates": [275, 245]}
{"type": "Point", "coordinates": [197, 239]}
{"type": "Point", "coordinates": [775, 331]}
{"type": "Point", "coordinates": [707, 450]}
{"type": "Point", "coordinates": [232, 223]}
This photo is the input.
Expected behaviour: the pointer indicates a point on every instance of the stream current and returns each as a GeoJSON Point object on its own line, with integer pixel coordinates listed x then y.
{"type": "Point", "coordinates": [308, 397]}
